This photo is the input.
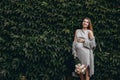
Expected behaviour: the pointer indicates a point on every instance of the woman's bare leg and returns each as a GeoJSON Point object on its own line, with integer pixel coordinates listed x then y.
{"type": "Point", "coordinates": [81, 77]}
{"type": "Point", "coordinates": [87, 74]}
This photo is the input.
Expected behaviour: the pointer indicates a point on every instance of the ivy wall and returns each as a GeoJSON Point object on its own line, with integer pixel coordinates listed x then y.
{"type": "Point", "coordinates": [36, 38]}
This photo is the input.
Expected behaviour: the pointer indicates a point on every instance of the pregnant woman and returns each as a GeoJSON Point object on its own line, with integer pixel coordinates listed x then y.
{"type": "Point", "coordinates": [83, 46]}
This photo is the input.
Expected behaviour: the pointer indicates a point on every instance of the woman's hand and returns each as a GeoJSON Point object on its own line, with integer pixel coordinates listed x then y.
{"type": "Point", "coordinates": [75, 55]}
{"type": "Point", "coordinates": [81, 40]}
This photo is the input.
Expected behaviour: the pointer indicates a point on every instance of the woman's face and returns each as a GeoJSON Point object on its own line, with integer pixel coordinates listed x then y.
{"type": "Point", "coordinates": [85, 23]}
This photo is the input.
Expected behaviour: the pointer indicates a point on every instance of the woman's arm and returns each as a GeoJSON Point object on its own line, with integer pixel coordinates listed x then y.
{"type": "Point", "coordinates": [90, 44]}
{"type": "Point", "coordinates": [75, 36]}
{"type": "Point", "coordinates": [74, 53]}
{"type": "Point", "coordinates": [74, 45]}
{"type": "Point", "coordinates": [90, 35]}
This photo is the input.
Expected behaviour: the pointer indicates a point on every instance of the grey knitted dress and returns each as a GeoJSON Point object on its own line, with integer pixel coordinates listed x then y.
{"type": "Point", "coordinates": [84, 51]}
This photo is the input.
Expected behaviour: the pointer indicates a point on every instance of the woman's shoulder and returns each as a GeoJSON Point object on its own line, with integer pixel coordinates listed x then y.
{"type": "Point", "coordinates": [90, 31]}
{"type": "Point", "coordinates": [78, 29]}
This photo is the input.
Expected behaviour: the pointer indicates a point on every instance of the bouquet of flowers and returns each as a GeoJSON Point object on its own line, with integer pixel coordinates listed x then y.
{"type": "Point", "coordinates": [79, 68]}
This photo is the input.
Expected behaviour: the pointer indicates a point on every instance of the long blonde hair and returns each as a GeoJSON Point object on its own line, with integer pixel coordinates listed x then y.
{"type": "Point", "coordinates": [90, 27]}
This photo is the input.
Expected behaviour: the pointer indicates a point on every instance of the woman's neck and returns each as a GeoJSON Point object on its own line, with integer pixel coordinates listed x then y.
{"type": "Point", "coordinates": [84, 28]}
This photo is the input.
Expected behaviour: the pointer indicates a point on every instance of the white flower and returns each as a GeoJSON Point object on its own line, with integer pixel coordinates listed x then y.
{"type": "Point", "coordinates": [80, 68]}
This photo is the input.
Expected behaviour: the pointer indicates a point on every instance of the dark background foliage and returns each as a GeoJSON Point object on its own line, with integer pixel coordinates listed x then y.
{"type": "Point", "coordinates": [36, 38]}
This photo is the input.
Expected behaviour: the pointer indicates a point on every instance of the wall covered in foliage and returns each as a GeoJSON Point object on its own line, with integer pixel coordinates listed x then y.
{"type": "Point", "coordinates": [36, 38]}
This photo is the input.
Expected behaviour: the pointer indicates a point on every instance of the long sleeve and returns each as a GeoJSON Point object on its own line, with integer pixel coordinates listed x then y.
{"type": "Point", "coordinates": [74, 48]}
{"type": "Point", "coordinates": [90, 44]}
{"type": "Point", "coordinates": [74, 53]}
